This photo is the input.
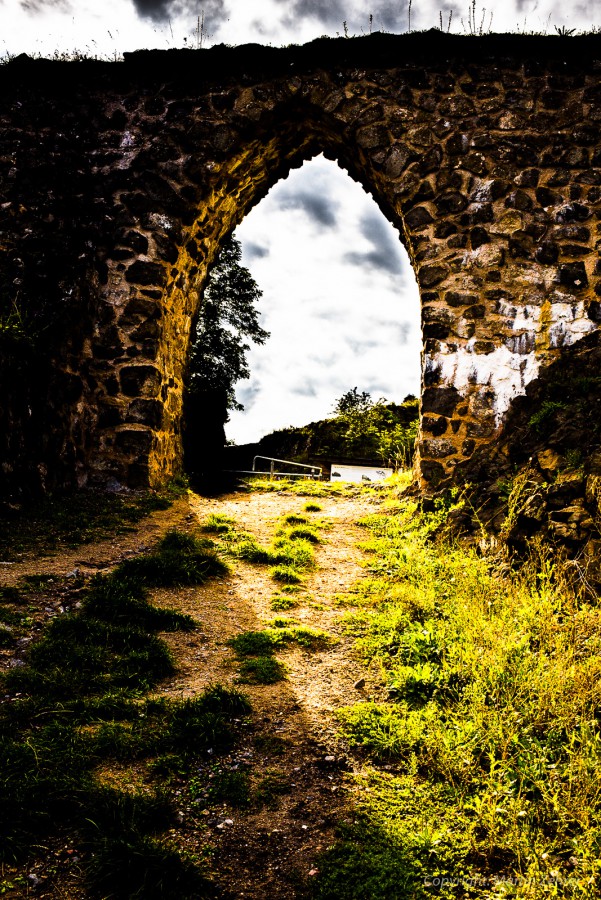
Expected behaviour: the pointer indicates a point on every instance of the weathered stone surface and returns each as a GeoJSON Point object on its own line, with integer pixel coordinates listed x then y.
{"type": "Point", "coordinates": [440, 400]}
{"type": "Point", "coordinates": [119, 182]}
{"type": "Point", "coordinates": [140, 380]}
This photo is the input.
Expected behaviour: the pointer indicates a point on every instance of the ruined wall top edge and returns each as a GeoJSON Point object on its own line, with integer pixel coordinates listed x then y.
{"type": "Point", "coordinates": [380, 51]}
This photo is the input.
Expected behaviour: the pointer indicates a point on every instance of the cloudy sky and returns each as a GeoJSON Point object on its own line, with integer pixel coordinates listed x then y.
{"type": "Point", "coordinates": [339, 297]}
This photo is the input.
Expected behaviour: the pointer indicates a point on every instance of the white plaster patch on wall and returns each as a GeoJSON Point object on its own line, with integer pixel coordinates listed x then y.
{"type": "Point", "coordinates": [507, 373]}
{"type": "Point", "coordinates": [519, 317]}
{"type": "Point", "coordinates": [568, 318]}
{"type": "Point", "coordinates": [570, 323]}
{"type": "Point", "coordinates": [526, 317]}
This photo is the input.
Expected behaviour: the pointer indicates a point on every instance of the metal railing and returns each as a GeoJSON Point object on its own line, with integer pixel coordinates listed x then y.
{"type": "Point", "coordinates": [314, 471]}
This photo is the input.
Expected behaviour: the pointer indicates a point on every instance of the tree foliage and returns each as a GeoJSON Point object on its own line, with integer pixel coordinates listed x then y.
{"type": "Point", "coordinates": [368, 428]}
{"type": "Point", "coordinates": [379, 432]}
{"type": "Point", "coordinates": [353, 402]}
{"type": "Point", "coordinates": [228, 319]}
{"type": "Point", "coordinates": [227, 322]}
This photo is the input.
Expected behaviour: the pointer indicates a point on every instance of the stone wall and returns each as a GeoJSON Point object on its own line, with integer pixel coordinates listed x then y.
{"type": "Point", "coordinates": [118, 182]}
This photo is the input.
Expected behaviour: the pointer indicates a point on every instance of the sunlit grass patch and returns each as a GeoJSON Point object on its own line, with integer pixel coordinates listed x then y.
{"type": "Point", "coordinates": [290, 554]}
{"type": "Point", "coordinates": [388, 730]}
{"type": "Point", "coordinates": [295, 553]}
{"type": "Point", "coordinates": [285, 574]}
{"type": "Point", "coordinates": [256, 649]}
{"type": "Point", "coordinates": [494, 690]}
{"type": "Point", "coordinates": [295, 519]}
{"type": "Point", "coordinates": [408, 839]}
{"type": "Point", "coordinates": [281, 622]}
{"type": "Point", "coordinates": [280, 602]}
{"type": "Point", "coordinates": [303, 533]}
{"type": "Point", "coordinates": [305, 487]}
{"type": "Point", "coordinates": [253, 643]}
{"type": "Point", "coordinates": [218, 523]}
{"type": "Point", "coordinates": [250, 550]}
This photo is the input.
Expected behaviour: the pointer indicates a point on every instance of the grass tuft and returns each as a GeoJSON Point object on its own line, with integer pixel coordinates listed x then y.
{"type": "Point", "coordinates": [285, 574]}
{"type": "Point", "coordinates": [295, 519]}
{"type": "Point", "coordinates": [261, 670]}
{"type": "Point", "coordinates": [179, 559]}
{"type": "Point", "coordinates": [280, 603]}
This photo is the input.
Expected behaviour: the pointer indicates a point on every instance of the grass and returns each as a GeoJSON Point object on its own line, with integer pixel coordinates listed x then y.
{"type": "Point", "coordinates": [218, 523]}
{"type": "Point", "coordinates": [304, 533]}
{"type": "Point", "coordinates": [482, 753]}
{"type": "Point", "coordinates": [305, 488]}
{"type": "Point", "coordinates": [280, 603]}
{"type": "Point", "coordinates": [294, 519]}
{"type": "Point", "coordinates": [543, 419]}
{"type": "Point", "coordinates": [256, 649]}
{"type": "Point", "coordinates": [77, 519]}
{"type": "Point", "coordinates": [285, 574]}
{"type": "Point", "coordinates": [79, 704]}
{"type": "Point", "coordinates": [261, 670]}
{"type": "Point", "coordinates": [179, 559]}
{"type": "Point", "coordinates": [291, 552]}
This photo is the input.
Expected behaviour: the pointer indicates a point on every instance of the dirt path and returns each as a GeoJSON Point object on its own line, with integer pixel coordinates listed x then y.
{"type": "Point", "coordinates": [289, 746]}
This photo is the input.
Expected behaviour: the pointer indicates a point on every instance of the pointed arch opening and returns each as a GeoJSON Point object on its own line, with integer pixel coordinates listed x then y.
{"type": "Point", "coordinates": [340, 302]}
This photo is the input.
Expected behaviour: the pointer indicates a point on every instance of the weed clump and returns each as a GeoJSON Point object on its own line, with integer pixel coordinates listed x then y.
{"type": "Point", "coordinates": [304, 534]}
{"type": "Point", "coordinates": [294, 519]}
{"type": "Point", "coordinates": [218, 523]}
{"type": "Point", "coordinates": [285, 574]}
{"type": "Point", "coordinates": [261, 670]}
{"type": "Point", "coordinates": [255, 649]}
{"type": "Point", "coordinates": [280, 602]}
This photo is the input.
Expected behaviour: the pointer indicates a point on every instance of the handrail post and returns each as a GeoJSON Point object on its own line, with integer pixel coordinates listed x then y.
{"type": "Point", "coordinates": [271, 470]}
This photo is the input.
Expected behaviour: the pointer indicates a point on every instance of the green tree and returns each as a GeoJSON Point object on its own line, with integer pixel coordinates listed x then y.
{"type": "Point", "coordinates": [353, 402]}
{"type": "Point", "coordinates": [228, 319]}
{"type": "Point", "coordinates": [227, 322]}
{"type": "Point", "coordinates": [368, 429]}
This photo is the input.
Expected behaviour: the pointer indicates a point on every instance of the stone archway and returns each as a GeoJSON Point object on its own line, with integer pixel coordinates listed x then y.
{"type": "Point", "coordinates": [490, 169]}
